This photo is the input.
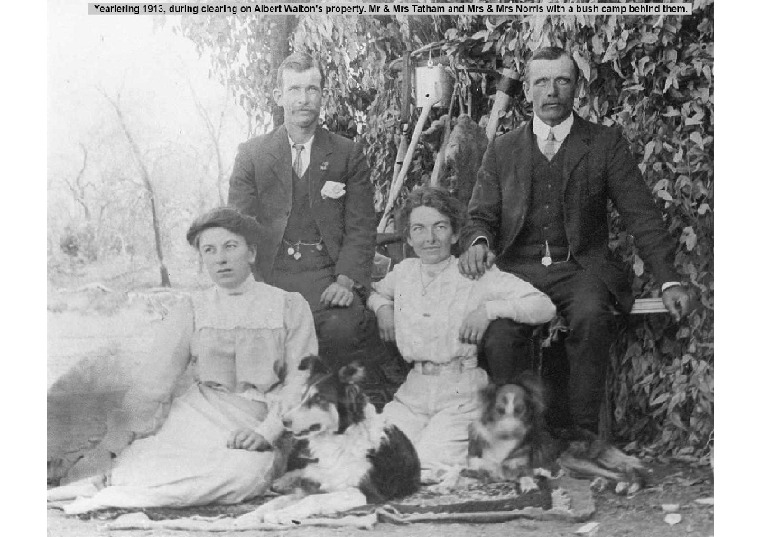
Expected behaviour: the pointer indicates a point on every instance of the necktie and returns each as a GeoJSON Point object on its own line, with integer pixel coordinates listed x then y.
{"type": "Point", "coordinates": [550, 147]}
{"type": "Point", "coordinates": [297, 163]}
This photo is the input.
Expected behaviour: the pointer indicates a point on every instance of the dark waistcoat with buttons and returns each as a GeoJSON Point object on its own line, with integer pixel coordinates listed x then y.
{"type": "Point", "coordinates": [301, 223]}
{"type": "Point", "coordinates": [544, 220]}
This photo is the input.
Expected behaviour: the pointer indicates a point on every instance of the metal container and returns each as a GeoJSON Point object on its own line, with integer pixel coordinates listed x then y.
{"type": "Point", "coordinates": [432, 82]}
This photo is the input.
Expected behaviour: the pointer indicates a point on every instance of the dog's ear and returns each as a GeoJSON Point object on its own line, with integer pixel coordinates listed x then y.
{"type": "Point", "coordinates": [534, 389]}
{"type": "Point", "coordinates": [352, 373]}
{"type": "Point", "coordinates": [354, 399]}
{"type": "Point", "coordinates": [314, 364]}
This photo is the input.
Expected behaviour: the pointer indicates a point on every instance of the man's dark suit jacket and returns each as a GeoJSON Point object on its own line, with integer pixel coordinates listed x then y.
{"type": "Point", "coordinates": [598, 166]}
{"type": "Point", "coordinates": [261, 186]}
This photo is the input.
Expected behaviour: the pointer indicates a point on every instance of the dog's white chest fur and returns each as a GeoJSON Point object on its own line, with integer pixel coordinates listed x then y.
{"type": "Point", "coordinates": [342, 458]}
{"type": "Point", "coordinates": [500, 451]}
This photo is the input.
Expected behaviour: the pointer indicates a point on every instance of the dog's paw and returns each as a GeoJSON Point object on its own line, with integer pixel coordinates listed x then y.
{"type": "Point", "coordinates": [527, 483]}
{"type": "Point", "coordinates": [295, 483]}
{"type": "Point", "coordinates": [482, 475]}
{"type": "Point", "coordinates": [548, 473]}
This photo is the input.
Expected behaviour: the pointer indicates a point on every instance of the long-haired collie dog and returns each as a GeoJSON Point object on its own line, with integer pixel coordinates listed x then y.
{"type": "Point", "coordinates": [510, 441]}
{"type": "Point", "coordinates": [344, 451]}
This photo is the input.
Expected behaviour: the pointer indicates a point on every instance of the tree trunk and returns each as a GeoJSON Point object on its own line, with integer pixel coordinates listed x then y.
{"type": "Point", "coordinates": [282, 29]}
{"type": "Point", "coordinates": [148, 187]}
{"type": "Point", "coordinates": [78, 189]}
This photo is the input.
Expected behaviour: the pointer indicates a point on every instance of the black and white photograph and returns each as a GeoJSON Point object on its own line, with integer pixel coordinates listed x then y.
{"type": "Point", "coordinates": [416, 268]}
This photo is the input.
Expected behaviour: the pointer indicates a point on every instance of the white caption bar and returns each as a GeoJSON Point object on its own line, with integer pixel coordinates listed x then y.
{"type": "Point", "coordinates": [361, 8]}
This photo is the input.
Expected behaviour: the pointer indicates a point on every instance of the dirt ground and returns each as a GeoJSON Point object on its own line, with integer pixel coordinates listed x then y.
{"type": "Point", "coordinates": [97, 337]}
{"type": "Point", "coordinates": [639, 515]}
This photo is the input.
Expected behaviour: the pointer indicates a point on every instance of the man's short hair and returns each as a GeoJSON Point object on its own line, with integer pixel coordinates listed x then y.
{"type": "Point", "coordinates": [437, 198]}
{"type": "Point", "coordinates": [299, 62]}
{"type": "Point", "coordinates": [550, 53]}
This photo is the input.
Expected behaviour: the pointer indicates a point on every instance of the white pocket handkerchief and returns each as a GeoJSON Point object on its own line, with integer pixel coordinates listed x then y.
{"type": "Point", "coordinates": [333, 190]}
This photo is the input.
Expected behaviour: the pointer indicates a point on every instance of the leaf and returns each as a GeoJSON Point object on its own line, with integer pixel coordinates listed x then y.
{"type": "Point", "coordinates": [689, 238]}
{"type": "Point", "coordinates": [672, 518]}
{"type": "Point", "coordinates": [662, 184]}
{"type": "Point", "coordinates": [648, 149]}
{"type": "Point", "coordinates": [638, 265]}
{"type": "Point", "coordinates": [664, 195]}
{"type": "Point", "coordinates": [670, 507]}
{"type": "Point", "coordinates": [583, 64]}
{"type": "Point", "coordinates": [694, 120]}
{"type": "Point", "coordinates": [675, 419]}
{"type": "Point", "coordinates": [705, 501]}
{"type": "Point", "coordinates": [649, 39]}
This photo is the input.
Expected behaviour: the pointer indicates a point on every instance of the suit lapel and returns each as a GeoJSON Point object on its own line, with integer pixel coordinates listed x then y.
{"type": "Point", "coordinates": [578, 144]}
{"type": "Point", "coordinates": [319, 164]}
{"type": "Point", "coordinates": [280, 159]}
{"type": "Point", "coordinates": [522, 168]}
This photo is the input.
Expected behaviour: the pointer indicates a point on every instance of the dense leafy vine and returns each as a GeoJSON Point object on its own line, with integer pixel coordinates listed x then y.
{"type": "Point", "coordinates": [653, 75]}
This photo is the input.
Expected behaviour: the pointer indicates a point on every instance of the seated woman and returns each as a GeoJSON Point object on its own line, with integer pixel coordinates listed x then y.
{"type": "Point", "coordinates": [437, 318]}
{"type": "Point", "coordinates": [216, 443]}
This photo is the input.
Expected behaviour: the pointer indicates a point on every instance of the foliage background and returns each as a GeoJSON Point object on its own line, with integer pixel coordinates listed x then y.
{"type": "Point", "coordinates": [653, 75]}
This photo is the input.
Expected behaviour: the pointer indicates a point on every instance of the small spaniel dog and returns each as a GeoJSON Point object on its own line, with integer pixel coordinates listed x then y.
{"type": "Point", "coordinates": [345, 454]}
{"type": "Point", "coordinates": [510, 442]}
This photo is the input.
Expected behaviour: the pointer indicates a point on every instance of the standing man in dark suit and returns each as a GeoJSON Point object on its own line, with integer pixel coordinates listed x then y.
{"type": "Point", "coordinates": [310, 189]}
{"type": "Point", "coordinates": [539, 211]}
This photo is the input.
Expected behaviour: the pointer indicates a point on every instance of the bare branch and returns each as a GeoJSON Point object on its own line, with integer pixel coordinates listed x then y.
{"type": "Point", "coordinates": [147, 184]}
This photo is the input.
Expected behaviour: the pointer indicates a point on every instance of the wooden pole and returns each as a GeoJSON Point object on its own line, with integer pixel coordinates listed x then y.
{"type": "Point", "coordinates": [508, 85]}
{"type": "Point", "coordinates": [399, 180]}
{"type": "Point", "coordinates": [406, 103]}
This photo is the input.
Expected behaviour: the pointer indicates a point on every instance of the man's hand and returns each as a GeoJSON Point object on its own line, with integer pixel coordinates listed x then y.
{"type": "Point", "coordinates": [248, 439]}
{"type": "Point", "coordinates": [677, 301]}
{"type": "Point", "coordinates": [474, 326]}
{"type": "Point", "coordinates": [385, 323]}
{"type": "Point", "coordinates": [340, 293]}
{"type": "Point", "coordinates": [476, 260]}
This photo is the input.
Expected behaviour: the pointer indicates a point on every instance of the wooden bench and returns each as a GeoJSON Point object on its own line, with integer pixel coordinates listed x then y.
{"type": "Point", "coordinates": [645, 306]}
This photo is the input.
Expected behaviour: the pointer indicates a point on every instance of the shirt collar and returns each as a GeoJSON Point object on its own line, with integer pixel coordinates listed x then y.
{"type": "Point", "coordinates": [306, 145]}
{"type": "Point", "coordinates": [541, 129]}
{"type": "Point", "coordinates": [439, 267]}
{"type": "Point", "coordinates": [244, 288]}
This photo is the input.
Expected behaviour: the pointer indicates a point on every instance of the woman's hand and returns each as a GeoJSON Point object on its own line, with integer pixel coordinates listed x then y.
{"type": "Point", "coordinates": [248, 439]}
{"type": "Point", "coordinates": [385, 323]}
{"type": "Point", "coordinates": [97, 461]}
{"type": "Point", "coordinates": [474, 326]}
